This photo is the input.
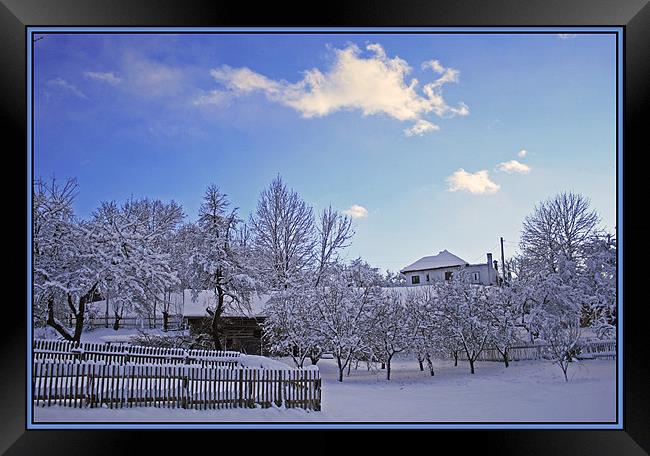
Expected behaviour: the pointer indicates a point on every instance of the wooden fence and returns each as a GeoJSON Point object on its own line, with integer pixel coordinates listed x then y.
{"type": "Point", "coordinates": [589, 349]}
{"type": "Point", "coordinates": [67, 351]}
{"type": "Point", "coordinates": [174, 322]}
{"type": "Point", "coordinates": [89, 384]}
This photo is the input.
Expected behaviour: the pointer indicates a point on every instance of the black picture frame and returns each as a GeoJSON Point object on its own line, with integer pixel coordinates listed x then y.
{"type": "Point", "coordinates": [633, 15]}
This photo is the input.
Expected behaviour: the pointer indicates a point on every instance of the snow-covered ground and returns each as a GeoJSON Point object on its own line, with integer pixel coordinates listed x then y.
{"type": "Point", "coordinates": [102, 335]}
{"type": "Point", "coordinates": [527, 391]}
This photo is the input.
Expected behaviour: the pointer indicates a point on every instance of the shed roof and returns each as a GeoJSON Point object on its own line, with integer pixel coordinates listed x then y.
{"type": "Point", "coordinates": [195, 306]}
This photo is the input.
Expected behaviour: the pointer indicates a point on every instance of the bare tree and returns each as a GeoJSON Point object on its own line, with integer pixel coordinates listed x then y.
{"type": "Point", "coordinates": [283, 232]}
{"type": "Point", "coordinates": [563, 225]}
{"type": "Point", "coordinates": [334, 233]}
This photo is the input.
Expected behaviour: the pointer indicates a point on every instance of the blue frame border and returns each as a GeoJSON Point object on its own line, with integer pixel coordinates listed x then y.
{"type": "Point", "coordinates": [618, 31]}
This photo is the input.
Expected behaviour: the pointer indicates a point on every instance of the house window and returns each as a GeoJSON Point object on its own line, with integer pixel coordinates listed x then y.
{"type": "Point", "coordinates": [476, 277]}
{"type": "Point", "coordinates": [448, 275]}
{"type": "Point", "coordinates": [415, 279]}
{"type": "Point", "coordinates": [427, 277]}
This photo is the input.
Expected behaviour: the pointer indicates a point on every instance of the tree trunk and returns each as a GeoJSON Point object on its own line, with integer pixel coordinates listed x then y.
{"type": "Point", "coordinates": [216, 340]}
{"type": "Point", "coordinates": [430, 364]}
{"type": "Point", "coordinates": [388, 368]}
{"type": "Point", "coordinates": [314, 357]}
{"type": "Point", "coordinates": [505, 358]}
{"type": "Point", "coordinates": [155, 302]}
{"type": "Point", "coordinates": [116, 323]}
{"type": "Point", "coordinates": [471, 365]}
{"type": "Point", "coordinates": [455, 358]}
{"type": "Point", "coordinates": [51, 321]}
{"type": "Point", "coordinates": [341, 368]}
{"type": "Point", "coordinates": [165, 320]}
{"type": "Point", "coordinates": [79, 321]}
{"type": "Point", "coordinates": [383, 365]}
{"type": "Point", "coordinates": [421, 365]}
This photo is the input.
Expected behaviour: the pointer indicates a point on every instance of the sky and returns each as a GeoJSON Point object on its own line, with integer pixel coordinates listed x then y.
{"type": "Point", "coordinates": [428, 141]}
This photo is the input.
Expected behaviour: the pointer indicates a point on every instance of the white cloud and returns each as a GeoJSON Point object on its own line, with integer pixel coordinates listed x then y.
{"type": "Point", "coordinates": [522, 153]}
{"type": "Point", "coordinates": [213, 97]}
{"type": "Point", "coordinates": [566, 36]}
{"type": "Point", "coordinates": [244, 80]}
{"type": "Point", "coordinates": [108, 77]}
{"type": "Point", "coordinates": [513, 166]}
{"type": "Point", "coordinates": [374, 85]}
{"type": "Point", "coordinates": [476, 183]}
{"type": "Point", "coordinates": [355, 211]}
{"type": "Point", "coordinates": [65, 85]}
{"type": "Point", "coordinates": [421, 127]}
{"type": "Point", "coordinates": [150, 78]}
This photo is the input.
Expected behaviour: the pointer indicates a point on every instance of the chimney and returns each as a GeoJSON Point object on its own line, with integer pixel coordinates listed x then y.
{"type": "Point", "coordinates": [489, 259]}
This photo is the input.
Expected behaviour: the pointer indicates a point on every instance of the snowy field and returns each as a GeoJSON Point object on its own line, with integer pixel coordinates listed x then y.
{"type": "Point", "coordinates": [527, 391]}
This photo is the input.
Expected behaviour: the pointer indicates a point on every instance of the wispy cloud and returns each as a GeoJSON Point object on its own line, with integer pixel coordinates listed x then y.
{"type": "Point", "coordinates": [149, 78]}
{"type": "Point", "coordinates": [421, 127]}
{"type": "Point", "coordinates": [373, 84]}
{"type": "Point", "coordinates": [108, 77]}
{"type": "Point", "coordinates": [522, 153]}
{"type": "Point", "coordinates": [477, 183]}
{"type": "Point", "coordinates": [514, 166]}
{"type": "Point", "coordinates": [66, 86]}
{"type": "Point", "coordinates": [355, 211]}
{"type": "Point", "coordinates": [212, 97]}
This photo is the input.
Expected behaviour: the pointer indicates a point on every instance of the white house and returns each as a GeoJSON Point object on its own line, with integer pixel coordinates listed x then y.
{"type": "Point", "coordinates": [441, 267]}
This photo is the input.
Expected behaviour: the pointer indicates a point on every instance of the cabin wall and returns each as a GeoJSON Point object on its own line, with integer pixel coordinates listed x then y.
{"type": "Point", "coordinates": [238, 334]}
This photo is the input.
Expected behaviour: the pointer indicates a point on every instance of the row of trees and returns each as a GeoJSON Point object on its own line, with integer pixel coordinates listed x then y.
{"type": "Point", "coordinates": [564, 278]}
{"type": "Point", "coordinates": [141, 251]}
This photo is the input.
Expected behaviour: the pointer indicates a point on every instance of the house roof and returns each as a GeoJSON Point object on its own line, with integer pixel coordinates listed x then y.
{"type": "Point", "coordinates": [444, 259]}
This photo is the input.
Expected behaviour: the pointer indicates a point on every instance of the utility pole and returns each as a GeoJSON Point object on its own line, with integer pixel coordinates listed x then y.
{"type": "Point", "coordinates": [503, 263]}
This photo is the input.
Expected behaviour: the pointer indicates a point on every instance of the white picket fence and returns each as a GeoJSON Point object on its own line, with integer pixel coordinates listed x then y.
{"type": "Point", "coordinates": [589, 349]}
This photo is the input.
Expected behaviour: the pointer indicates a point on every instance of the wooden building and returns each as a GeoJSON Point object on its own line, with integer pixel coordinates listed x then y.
{"type": "Point", "coordinates": [241, 327]}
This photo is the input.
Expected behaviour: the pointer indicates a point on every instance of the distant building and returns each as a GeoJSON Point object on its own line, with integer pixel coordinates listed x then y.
{"type": "Point", "coordinates": [241, 328]}
{"type": "Point", "coordinates": [438, 268]}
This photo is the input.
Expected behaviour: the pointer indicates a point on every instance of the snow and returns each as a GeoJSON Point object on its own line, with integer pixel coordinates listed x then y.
{"type": "Point", "coordinates": [444, 259]}
{"type": "Point", "coordinates": [102, 335]}
{"type": "Point", "coordinates": [527, 391]}
{"type": "Point", "coordinates": [195, 306]}
{"type": "Point", "coordinates": [262, 362]}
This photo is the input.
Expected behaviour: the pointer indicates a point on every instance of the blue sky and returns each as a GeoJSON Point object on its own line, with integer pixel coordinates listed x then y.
{"type": "Point", "coordinates": [432, 164]}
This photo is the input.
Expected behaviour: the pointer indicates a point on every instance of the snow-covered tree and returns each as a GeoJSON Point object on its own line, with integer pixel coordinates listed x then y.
{"type": "Point", "coordinates": [66, 267]}
{"type": "Point", "coordinates": [394, 279]}
{"type": "Point", "coordinates": [392, 327]}
{"type": "Point", "coordinates": [464, 315]}
{"type": "Point", "coordinates": [343, 312]}
{"type": "Point", "coordinates": [334, 232]}
{"type": "Point", "coordinates": [134, 238]}
{"type": "Point", "coordinates": [599, 280]}
{"type": "Point", "coordinates": [564, 224]}
{"type": "Point", "coordinates": [282, 229]}
{"type": "Point", "coordinates": [219, 260]}
{"type": "Point", "coordinates": [427, 338]}
{"type": "Point", "coordinates": [116, 249]}
{"type": "Point", "coordinates": [504, 309]}
{"type": "Point", "coordinates": [290, 325]}
{"type": "Point", "coordinates": [555, 316]}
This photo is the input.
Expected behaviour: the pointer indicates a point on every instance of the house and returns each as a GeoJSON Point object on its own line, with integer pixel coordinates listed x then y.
{"type": "Point", "coordinates": [441, 267]}
{"type": "Point", "coordinates": [241, 325]}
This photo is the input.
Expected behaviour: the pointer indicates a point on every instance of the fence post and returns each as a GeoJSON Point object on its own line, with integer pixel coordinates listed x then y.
{"type": "Point", "coordinates": [185, 390]}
